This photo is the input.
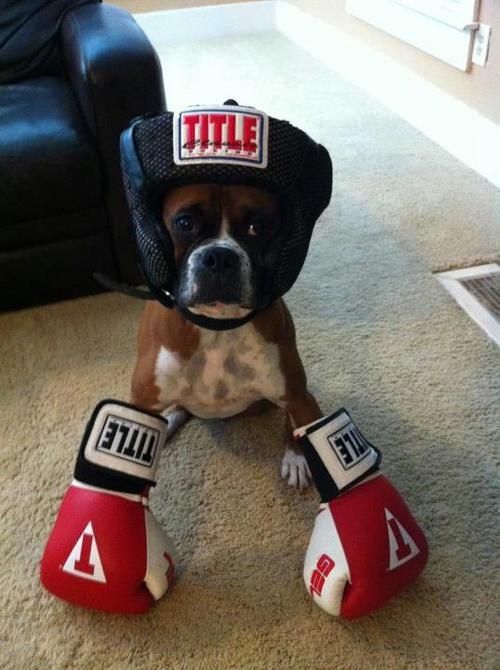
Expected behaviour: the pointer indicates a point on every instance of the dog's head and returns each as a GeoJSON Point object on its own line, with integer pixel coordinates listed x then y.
{"type": "Point", "coordinates": [223, 201]}
{"type": "Point", "coordinates": [224, 239]}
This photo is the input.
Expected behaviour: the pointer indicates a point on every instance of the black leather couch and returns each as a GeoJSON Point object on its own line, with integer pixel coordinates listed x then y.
{"type": "Point", "coordinates": [63, 213]}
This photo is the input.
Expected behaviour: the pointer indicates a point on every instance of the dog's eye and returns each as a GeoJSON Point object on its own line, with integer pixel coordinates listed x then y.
{"type": "Point", "coordinates": [255, 227]}
{"type": "Point", "coordinates": [185, 223]}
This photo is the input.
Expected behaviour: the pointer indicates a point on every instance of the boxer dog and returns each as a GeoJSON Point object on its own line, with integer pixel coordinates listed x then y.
{"type": "Point", "coordinates": [221, 235]}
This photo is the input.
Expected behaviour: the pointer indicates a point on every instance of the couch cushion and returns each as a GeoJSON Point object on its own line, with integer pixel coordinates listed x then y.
{"type": "Point", "coordinates": [66, 226]}
{"type": "Point", "coordinates": [54, 271]}
{"type": "Point", "coordinates": [48, 163]}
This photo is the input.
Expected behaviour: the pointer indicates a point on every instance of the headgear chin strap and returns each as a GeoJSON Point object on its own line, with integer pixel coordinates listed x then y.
{"type": "Point", "coordinates": [227, 145]}
{"type": "Point", "coordinates": [211, 323]}
{"type": "Point", "coordinates": [217, 324]}
{"type": "Point", "coordinates": [167, 300]}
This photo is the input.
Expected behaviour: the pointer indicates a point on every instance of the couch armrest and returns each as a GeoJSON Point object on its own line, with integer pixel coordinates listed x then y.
{"type": "Point", "coordinates": [115, 75]}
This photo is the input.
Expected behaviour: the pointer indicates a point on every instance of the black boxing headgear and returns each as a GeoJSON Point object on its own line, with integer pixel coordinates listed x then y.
{"type": "Point", "coordinates": [227, 145]}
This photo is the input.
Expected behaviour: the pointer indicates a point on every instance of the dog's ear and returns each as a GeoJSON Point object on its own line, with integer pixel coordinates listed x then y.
{"type": "Point", "coordinates": [315, 183]}
{"type": "Point", "coordinates": [312, 196]}
{"type": "Point", "coordinates": [273, 250]}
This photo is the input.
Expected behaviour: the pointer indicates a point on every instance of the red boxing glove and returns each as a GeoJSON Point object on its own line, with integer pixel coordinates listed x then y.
{"type": "Point", "coordinates": [366, 546]}
{"type": "Point", "coordinates": [106, 550]}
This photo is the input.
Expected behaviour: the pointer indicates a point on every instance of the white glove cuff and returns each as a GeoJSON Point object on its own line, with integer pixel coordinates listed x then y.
{"type": "Point", "coordinates": [344, 452]}
{"type": "Point", "coordinates": [122, 438]}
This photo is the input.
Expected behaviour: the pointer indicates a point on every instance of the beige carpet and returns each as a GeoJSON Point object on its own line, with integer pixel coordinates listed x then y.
{"type": "Point", "coordinates": [378, 335]}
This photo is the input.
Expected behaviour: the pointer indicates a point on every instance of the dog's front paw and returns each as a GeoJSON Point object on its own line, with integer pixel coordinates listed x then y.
{"type": "Point", "coordinates": [294, 468]}
{"type": "Point", "coordinates": [175, 416]}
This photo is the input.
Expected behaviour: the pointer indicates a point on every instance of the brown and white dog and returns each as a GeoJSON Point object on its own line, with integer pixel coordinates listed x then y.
{"type": "Point", "coordinates": [221, 235]}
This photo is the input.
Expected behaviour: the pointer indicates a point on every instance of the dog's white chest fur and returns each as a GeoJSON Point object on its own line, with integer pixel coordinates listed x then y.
{"type": "Point", "coordinates": [228, 372]}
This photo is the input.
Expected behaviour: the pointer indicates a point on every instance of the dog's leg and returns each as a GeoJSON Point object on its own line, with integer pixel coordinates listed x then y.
{"type": "Point", "coordinates": [176, 417]}
{"type": "Point", "coordinates": [145, 395]}
{"type": "Point", "coordinates": [299, 404]}
{"type": "Point", "coordinates": [294, 467]}
{"type": "Point", "coordinates": [175, 414]}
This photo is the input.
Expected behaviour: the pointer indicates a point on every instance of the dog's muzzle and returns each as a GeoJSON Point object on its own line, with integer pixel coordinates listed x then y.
{"type": "Point", "coordinates": [216, 272]}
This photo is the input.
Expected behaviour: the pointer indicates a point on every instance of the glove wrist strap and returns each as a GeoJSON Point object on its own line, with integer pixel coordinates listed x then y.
{"type": "Point", "coordinates": [133, 497]}
{"type": "Point", "coordinates": [338, 454]}
{"type": "Point", "coordinates": [121, 448]}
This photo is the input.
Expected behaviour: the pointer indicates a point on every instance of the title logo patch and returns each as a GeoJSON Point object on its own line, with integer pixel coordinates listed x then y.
{"type": "Point", "coordinates": [402, 547]}
{"type": "Point", "coordinates": [225, 134]}
{"type": "Point", "coordinates": [84, 559]}
{"type": "Point", "coordinates": [128, 440]}
{"type": "Point", "coordinates": [349, 445]}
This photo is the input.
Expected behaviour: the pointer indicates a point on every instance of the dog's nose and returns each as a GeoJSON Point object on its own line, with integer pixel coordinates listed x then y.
{"type": "Point", "coordinates": [219, 260]}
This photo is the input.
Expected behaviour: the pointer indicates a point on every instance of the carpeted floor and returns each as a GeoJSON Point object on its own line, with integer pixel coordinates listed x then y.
{"type": "Point", "coordinates": [377, 334]}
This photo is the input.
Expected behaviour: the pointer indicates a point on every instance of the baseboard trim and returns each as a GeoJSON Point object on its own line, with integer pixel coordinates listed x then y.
{"type": "Point", "coordinates": [457, 128]}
